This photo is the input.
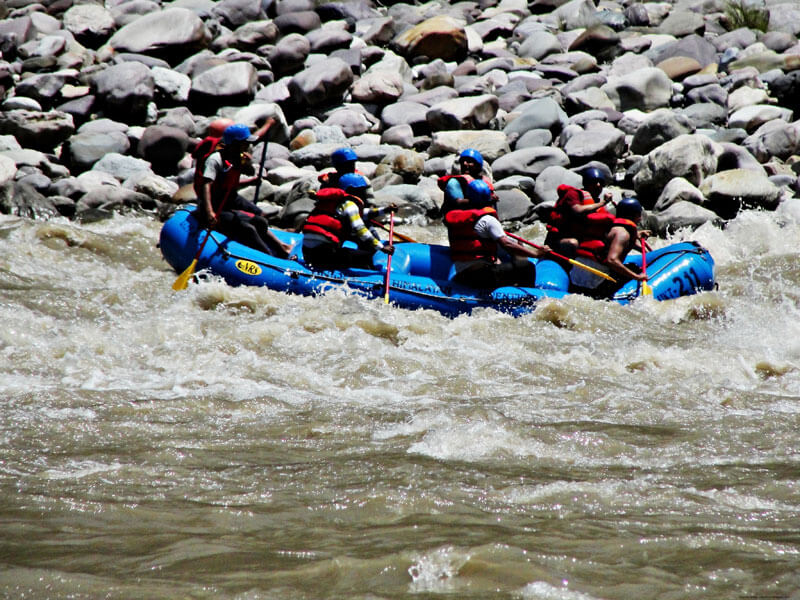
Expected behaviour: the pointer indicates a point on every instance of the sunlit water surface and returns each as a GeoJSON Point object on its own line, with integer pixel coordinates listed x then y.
{"type": "Point", "coordinates": [241, 443]}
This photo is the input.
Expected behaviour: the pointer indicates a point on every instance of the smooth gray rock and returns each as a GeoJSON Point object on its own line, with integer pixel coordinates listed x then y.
{"type": "Point", "coordinates": [172, 33]}
{"type": "Point", "coordinates": [660, 126]}
{"type": "Point", "coordinates": [124, 90]}
{"type": "Point", "coordinates": [474, 112]}
{"type": "Point", "coordinates": [37, 130]}
{"type": "Point", "coordinates": [84, 149]}
{"type": "Point", "coordinates": [529, 161]}
{"type": "Point", "coordinates": [692, 157]}
{"type": "Point", "coordinates": [323, 83]}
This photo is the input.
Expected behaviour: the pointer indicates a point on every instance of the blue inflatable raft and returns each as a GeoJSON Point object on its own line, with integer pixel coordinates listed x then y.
{"type": "Point", "coordinates": [420, 274]}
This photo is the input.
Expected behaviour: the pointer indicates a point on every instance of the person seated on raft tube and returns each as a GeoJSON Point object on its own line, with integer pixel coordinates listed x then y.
{"type": "Point", "coordinates": [570, 219]}
{"type": "Point", "coordinates": [471, 167]}
{"type": "Point", "coordinates": [475, 236]}
{"type": "Point", "coordinates": [344, 161]}
{"type": "Point", "coordinates": [220, 207]}
{"type": "Point", "coordinates": [336, 218]}
{"type": "Point", "coordinates": [608, 253]}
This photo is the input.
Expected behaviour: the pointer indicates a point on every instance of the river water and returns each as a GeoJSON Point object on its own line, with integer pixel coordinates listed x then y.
{"type": "Point", "coordinates": [241, 443]}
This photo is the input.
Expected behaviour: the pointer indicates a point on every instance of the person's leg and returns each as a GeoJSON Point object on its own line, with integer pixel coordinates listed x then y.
{"type": "Point", "coordinates": [479, 275]}
{"type": "Point", "coordinates": [517, 272]}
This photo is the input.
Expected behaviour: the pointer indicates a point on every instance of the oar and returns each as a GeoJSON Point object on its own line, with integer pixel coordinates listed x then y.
{"type": "Point", "coordinates": [182, 281]}
{"type": "Point", "coordinates": [389, 259]}
{"type": "Point", "coordinates": [574, 263]}
{"type": "Point", "coordinates": [646, 289]}
{"type": "Point", "coordinates": [260, 171]}
{"type": "Point", "coordinates": [399, 236]}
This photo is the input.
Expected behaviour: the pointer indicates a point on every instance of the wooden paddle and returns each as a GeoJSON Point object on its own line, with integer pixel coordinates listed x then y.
{"type": "Point", "coordinates": [574, 263]}
{"type": "Point", "coordinates": [646, 289]}
{"type": "Point", "coordinates": [182, 282]}
{"type": "Point", "coordinates": [389, 259]}
{"type": "Point", "coordinates": [399, 236]}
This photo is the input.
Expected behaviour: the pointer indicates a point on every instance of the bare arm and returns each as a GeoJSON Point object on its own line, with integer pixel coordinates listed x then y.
{"type": "Point", "coordinates": [582, 209]}
{"type": "Point", "coordinates": [618, 242]}
{"type": "Point", "coordinates": [517, 249]}
{"type": "Point", "coordinates": [206, 199]}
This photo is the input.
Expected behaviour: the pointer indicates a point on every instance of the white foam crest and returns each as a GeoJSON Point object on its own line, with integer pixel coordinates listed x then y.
{"type": "Point", "coordinates": [540, 590]}
{"type": "Point", "coordinates": [735, 500]}
{"type": "Point", "coordinates": [473, 439]}
{"type": "Point", "coordinates": [435, 572]}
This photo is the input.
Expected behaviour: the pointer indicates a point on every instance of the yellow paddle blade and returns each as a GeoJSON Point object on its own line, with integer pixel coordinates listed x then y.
{"type": "Point", "coordinates": [597, 272]}
{"type": "Point", "coordinates": [182, 282]}
{"type": "Point", "coordinates": [646, 289]}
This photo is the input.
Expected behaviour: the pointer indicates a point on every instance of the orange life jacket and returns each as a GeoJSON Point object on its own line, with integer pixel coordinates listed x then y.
{"type": "Point", "coordinates": [566, 224]}
{"type": "Point", "coordinates": [323, 220]}
{"type": "Point", "coordinates": [465, 244]}
{"type": "Point", "coordinates": [597, 249]}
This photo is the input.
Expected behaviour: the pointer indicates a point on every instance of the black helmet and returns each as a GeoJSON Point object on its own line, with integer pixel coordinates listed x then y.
{"type": "Point", "coordinates": [629, 208]}
{"type": "Point", "coordinates": [593, 174]}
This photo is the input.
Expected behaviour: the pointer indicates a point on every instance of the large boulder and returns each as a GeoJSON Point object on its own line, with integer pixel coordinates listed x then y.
{"type": "Point", "coordinates": [124, 90]}
{"type": "Point", "coordinates": [491, 144]}
{"type": "Point", "coordinates": [659, 127]}
{"type": "Point", "coordinates": [439, 37]}
{"type": "Point", "coordinates": [600, 141]}
{"type": "Point", "coordinates": [42, 131]}
{"type": "Point", "coordinates": [728, 191]}
{"type": "Point", "coordinates": [91, 24]}
{"type": "Point", "coordinates": [529, 161]}
{"type": "Point", "coordinates": [646, 89]}
{"type": "Point", "coordinates": [325, 82]}
{"type": "Point", "coordinates": [222, 85]}
{"type": "Point", "coordinates": [471, 112]}
{"type": "Point", "coordinates": [692, 157]}
{"type": "Point", "coordinates": [82, 150]}
{"type": "Point", "coordinates": [172, 34]}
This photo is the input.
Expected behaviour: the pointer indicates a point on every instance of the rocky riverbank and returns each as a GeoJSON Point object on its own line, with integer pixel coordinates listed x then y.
{"type": "Point", "coordinates": [684, 104]}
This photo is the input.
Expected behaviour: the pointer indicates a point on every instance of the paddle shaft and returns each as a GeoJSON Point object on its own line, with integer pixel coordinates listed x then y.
{"type": "Point", "coordinates": [574, 263]}
{"type": "Point", "coordinates": [389, 260]}
{"type": "Point", "coordinates": [260, 171]}
{"type": "Point", "coordinates": [646, 289]}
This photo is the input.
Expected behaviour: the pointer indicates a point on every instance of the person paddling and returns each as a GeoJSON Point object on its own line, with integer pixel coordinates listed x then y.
{"type": "Point", "coordinates": [220, 207]}
{"type": "Point", "coordinates": [608, 253]}
{"type": "Point", "coordinates": [476, 235]}
{"type": "Point", "coordinates": [337, 218]}
{"type": "Point", "coordinates": [344, 162]}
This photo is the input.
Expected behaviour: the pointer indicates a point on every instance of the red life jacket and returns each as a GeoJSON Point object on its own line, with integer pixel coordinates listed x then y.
{"type": "Point", "coordinates": [565, 224]}
{"type": "Point", "coordinates": [323, 220]}
{"type": "Point", "coordinates": [465, 245]}
{"type": "Point", "coordinates": [222, 188]}
{"type": "Point", "coordinates": [597, 249]}
{"type": "Point", "coordinates": [201, 153]}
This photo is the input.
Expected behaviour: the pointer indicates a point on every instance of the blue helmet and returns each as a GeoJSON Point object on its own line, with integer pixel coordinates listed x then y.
{"type": "Point", "coordinates": [593, 174]}
{"type": "Point", "coordinates": [473, 154]}
{"type": "Point", "coordinates": [352, 180]}
{"type": "Point", "coordinates": [342, 156]}
{"type": "Point", "coordinates": [629, 208]}
{"type": "Point", "coordinates": [238, 132]}
{"type": "Point", "coordinates": [479, 193]}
